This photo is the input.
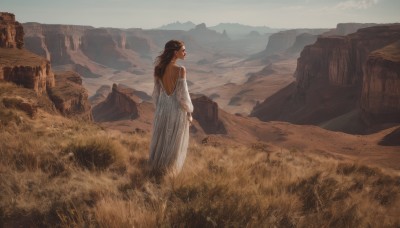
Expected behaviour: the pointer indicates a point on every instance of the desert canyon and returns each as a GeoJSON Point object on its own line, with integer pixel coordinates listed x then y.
{"type": "Point", "coordinates": [327, 92]}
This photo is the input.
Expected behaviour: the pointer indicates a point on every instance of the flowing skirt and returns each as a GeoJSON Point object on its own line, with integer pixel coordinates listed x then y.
{"type": "Point", "coordinates": [170, 136]}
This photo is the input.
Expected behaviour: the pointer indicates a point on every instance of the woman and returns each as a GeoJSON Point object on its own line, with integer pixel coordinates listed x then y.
{"type": "Point", "coordinates": [170, 134]}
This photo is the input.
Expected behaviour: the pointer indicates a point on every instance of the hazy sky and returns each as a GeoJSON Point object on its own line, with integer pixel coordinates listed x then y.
{"type": "Point", "coordinates": [154, 13]}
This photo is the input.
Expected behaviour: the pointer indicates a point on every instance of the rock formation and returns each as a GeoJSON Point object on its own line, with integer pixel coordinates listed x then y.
{"type": "Point", "coordinates": [85, 47]}
{"type": "Point", "coordinates": [11, 31]}
{"type": "Point", "coordinates": [329, 78]}
{"type": "Point", "coordinates": [100, 95]}
{"type": "Point", "coordinates": [19, 65]}
{"type": "Point", "coordinates": [282, 41]}
{"type": "Point", "coordinates": [301, 41]}
{"type": "Point", "coordinates": [340, 59]}
{"type": "Point", "coordinates": [380, 98]}
{"type": "Point", "coordinates": [206, 114]}
{"type": "Point", "coordinates": [120, 104]}
{"type": "Point", "coordinates": [70, 97]}
{"type": "Point", "coordinates": [343, 29]}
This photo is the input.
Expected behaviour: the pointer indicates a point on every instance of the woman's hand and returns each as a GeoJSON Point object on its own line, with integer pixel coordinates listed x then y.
{"type": "Point", "coordinates": [190, 118]}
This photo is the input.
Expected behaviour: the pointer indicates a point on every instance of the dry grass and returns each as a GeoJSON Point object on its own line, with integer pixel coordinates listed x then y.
{"type": "Point", "coordinates": [57, 172]}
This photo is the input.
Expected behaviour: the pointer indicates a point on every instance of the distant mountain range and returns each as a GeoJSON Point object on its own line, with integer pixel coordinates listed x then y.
{"type": "Point", "coordinates": [232, 29]}
{"type": "Point", "coordinates": [178, 26]}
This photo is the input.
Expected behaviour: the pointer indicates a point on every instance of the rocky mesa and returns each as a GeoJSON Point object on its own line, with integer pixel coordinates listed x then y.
{"type": "Point", "coordinates": [18, 65]}
{"type": "Point", "coordinates": [330, 75]}
{"type": "Point", "coordinates": [380, 97]}
{"type": "Point", "coordinates": [121, 103]}
{"type": "Point", "coordinates": [24, 68]}
{"type": "Point", "coordinates": [69, 96]}
{"type": "Point", "coordinates": [11, 31]}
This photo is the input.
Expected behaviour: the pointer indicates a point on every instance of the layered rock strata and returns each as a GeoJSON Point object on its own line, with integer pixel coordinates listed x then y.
{"type": "Point", "coordinates": [120, 104]}
{"type": "Point", "coordinates": [330, 75]}
{"type": "Point", "coordinates": [70, 97]}
{"type": "Point", "coordinates": [380, 98]}
{"type": "Point", "coordinates": [18, 65]}
{"type": "Point", "coordinates": [206, 114]}
{"type": "Point", "coordinates": [11, 31]}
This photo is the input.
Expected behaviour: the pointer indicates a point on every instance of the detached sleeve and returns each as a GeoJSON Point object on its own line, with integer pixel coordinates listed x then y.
{"type": "Point", "coordinates": [156, 91]}
{"type": "Point", "coordinates": [184, 97]}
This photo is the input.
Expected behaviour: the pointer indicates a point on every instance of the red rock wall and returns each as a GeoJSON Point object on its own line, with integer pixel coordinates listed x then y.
{"type": "Point", "coordinates": [11, 32]}
{"type": "Point", "coordinates": [38, 78]}
{"type": "Point", "coordinates": [120, 104]}
{"type": "Point", "coordinates": [64, 44]}
{"type": "Point", "coordinates": [341, 59]}
{"type": "Point", "coordinates": [330, 76]}
{"type": "Point", "coordinates": [282, 41]}
{"type": "Point", "coordinates": [380, 99]}
{"type": "Point", "coordinates": [206, 113]}
{"type": "Point", "coordinates": [70, 97]}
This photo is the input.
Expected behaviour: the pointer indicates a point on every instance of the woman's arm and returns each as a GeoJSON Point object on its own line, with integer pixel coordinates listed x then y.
{"type": "Point", "coordinates": [183, 95]}
{"type": "Point", "coordinates": [156, 91]}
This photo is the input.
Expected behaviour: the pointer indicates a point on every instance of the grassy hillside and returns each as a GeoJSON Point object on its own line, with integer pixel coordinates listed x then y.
{"type": "Point", "coordinates": [58, 172]}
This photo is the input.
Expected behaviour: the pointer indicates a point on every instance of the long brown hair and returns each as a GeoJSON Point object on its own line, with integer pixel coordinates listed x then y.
{"type": "Point", "coordinates": [165, 58]}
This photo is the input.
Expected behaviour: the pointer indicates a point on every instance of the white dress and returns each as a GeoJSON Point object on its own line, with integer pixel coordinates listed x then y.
{"type": "Point", "coordinates": [170, 133]}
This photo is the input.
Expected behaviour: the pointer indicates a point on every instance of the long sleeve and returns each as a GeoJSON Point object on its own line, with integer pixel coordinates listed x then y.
{"type": "Point", "coordinates": [184, 97]}
{"type": "Point", "coordinates": [156, 91]}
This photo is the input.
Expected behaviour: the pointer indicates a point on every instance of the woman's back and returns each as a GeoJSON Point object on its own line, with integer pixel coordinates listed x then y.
{"type": "Point", "coordinates": [170, 78]}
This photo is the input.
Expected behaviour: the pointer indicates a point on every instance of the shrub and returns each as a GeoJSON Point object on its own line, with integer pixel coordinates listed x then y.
{"type": "Point", "coordinates": [98, 153]}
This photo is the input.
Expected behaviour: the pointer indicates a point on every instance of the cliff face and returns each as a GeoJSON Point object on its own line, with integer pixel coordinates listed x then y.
{"type": "Point", "coordinates": [301, 41]}
{"type": "Point", "coordinates": [18, 65]}
{"type": "Point", "coordinates": [341, 59]}
{"type": "Point", "coordinates": [282, 41]}
{"type": "Point", "coordinates": [54, 42]}
{"type": "Point", "coordinates": [38, 78]}
{"type": "Point", "coordinates": [330, 76]}
{"type": "Point", "coordinates": [120, 104]}
{"type": "Point", "coordinates": [343, 29]}
{"type": "Point", "coordinates": [380, 98]}
{"type": "Point", "coordinates": [99, 46]}
{"type": "Point", "coordinates": [29, 70]}
{"type": "Point", "coordinates": [85, 47]}
{"type": "Point", "coordinates": [11, 31]}
{"type": "Point", "coordinates": [70, 97]}
{"type": "Point", "coordinates": [206, 114]}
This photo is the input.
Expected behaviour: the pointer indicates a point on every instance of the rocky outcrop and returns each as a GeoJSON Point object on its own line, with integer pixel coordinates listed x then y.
{"type": "Point", "coordinates": [329, 78]}
{"type": "Point", "coordinates": [70, 97]}
{"type": "Point", "coordinates": [301, 41]}
{"type": "Point", "coordinates": [206, 114]}
{"type": "Point", "coordinates": [11, 31]}
{"type": "Point", "coordinates": [108, 54]}
{"type": "Point", "coordinates": [140, 94]}
{"type": "Point", "coordinates": [29, 70]}
{"type": "Point", "coordinates": [282, 41]}
{"type": "Point", "coordinates": [120, 104]}
{"type": "Point", "coordinates": [71, 44]}
{"type": "Point", "coordinates": [100, 95]}
{"type": "Point", "coordinates": [286, 44]}
{"type": "Point", "coordinates": [341, 59]}
{"type": "Point", "coordinates": [54, 42]}
{"type": "Point", "coordinates": [18, 65]}
{"type": "Point", "coordinates": [26, 69]}
{"type": "Point", "coordinates": [380, 98]}
{"type": "Point", "coordinates": [343, 29]}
